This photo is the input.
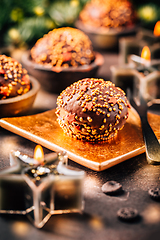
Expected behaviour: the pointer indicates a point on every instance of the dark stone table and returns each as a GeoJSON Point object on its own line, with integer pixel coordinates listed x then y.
{"type": "Point", "coordinates": [99, 218]}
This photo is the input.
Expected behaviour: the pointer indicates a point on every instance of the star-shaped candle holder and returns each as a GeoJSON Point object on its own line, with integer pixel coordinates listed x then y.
{"type": "Point", "coordinates": [140, 74]}
{"type": "Point", "coordinates": [134, 45]}
{"type": "Point", "coordinates": [40, 189]}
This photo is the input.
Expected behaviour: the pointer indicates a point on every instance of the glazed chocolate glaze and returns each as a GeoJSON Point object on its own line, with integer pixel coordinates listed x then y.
{"type": "Point", "coordinates": [92, 109]}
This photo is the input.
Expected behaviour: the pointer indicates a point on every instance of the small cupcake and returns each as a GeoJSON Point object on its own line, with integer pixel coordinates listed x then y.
{"type": "Point", "coordinates": [92, 110]}
{"type": "Point", "coordinates": [63, 47]}
{"type": "Point", "coordinates": [14, 80]}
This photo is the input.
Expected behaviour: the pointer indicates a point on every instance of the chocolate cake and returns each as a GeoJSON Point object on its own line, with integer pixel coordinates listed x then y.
{"type": "Point", "coordinates": [108, 14]}
{"type": "Point", "coordinates": [92, 109]}
{"type": "Point", "coordinates": [63, 47]}
{"type": "Point", "coordinates": [14, 80]}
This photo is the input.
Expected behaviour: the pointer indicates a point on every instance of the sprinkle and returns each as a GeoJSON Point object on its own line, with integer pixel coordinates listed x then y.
{"type": "Point", "coordinates": [83, 88]}
{"type": "Point", "coordinates": [89, 119]}
{"type": "Point", "coordinates": [2, 71]}
{"type": "Point", "coordinates": [104, 120]}
{"type": "Point", "coordinates": [89, 105]}
{"type": "Point", "coordinates": [112, 100]}
{"type": "Point", "coordinates": [70, 117]}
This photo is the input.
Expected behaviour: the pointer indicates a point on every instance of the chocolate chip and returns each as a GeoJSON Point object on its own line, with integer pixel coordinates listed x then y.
{"type": "Point", "coordinates": [111, 188]}
{"type": "Point", "coordinates": [154, 193]}
{"type": "Point", "coordinates": [127, 214]}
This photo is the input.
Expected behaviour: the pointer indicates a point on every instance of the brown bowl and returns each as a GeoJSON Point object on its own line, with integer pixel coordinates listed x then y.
{"type": "Point", "coordinates": [21, 104]}
{"type": "Point", "coordinates": [105, 39]}
{"type": "Point", "coordinates": [57, 79]}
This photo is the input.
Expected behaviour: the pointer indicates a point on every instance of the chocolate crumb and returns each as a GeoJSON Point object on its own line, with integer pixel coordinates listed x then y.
{"type": "Point", "coordinates": [127, 214]}
{"type": "Point", "coordinates": [154, 193]}
{"type": "Point", "coordinates": [111, 188]}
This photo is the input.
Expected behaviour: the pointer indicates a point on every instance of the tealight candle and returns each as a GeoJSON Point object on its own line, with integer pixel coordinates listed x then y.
{"type": "Point", "coordinates": [140, 74]}
{"type": "Point", "coordinates": [142, 64]}
{"type": "Point", "coordinates": [134, 45]}
{"type": "Point", "coordinates": [40, 186]}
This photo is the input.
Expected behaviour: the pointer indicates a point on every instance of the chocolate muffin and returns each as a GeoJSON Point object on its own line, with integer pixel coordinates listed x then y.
{"type": "Point", "coordinates": [63, 47]}
{"type": "Point", "coordinates": [108, 14]}
{"type": "Point", "coordinates": [14, 80]}
{"type": "Point", "coordinates": [92, 109]}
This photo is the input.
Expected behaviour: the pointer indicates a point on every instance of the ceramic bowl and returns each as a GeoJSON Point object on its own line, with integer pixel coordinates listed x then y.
{"type": "Point", "coordinates": [57, 79]}
{"type": "Point", "coordinates": [21, 104]}
{"type": "Point", "coordinates": [105, 38]}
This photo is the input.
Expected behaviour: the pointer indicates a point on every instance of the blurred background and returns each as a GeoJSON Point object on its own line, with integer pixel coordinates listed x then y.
{"type": "Point", "coordinates": [23, 22]}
